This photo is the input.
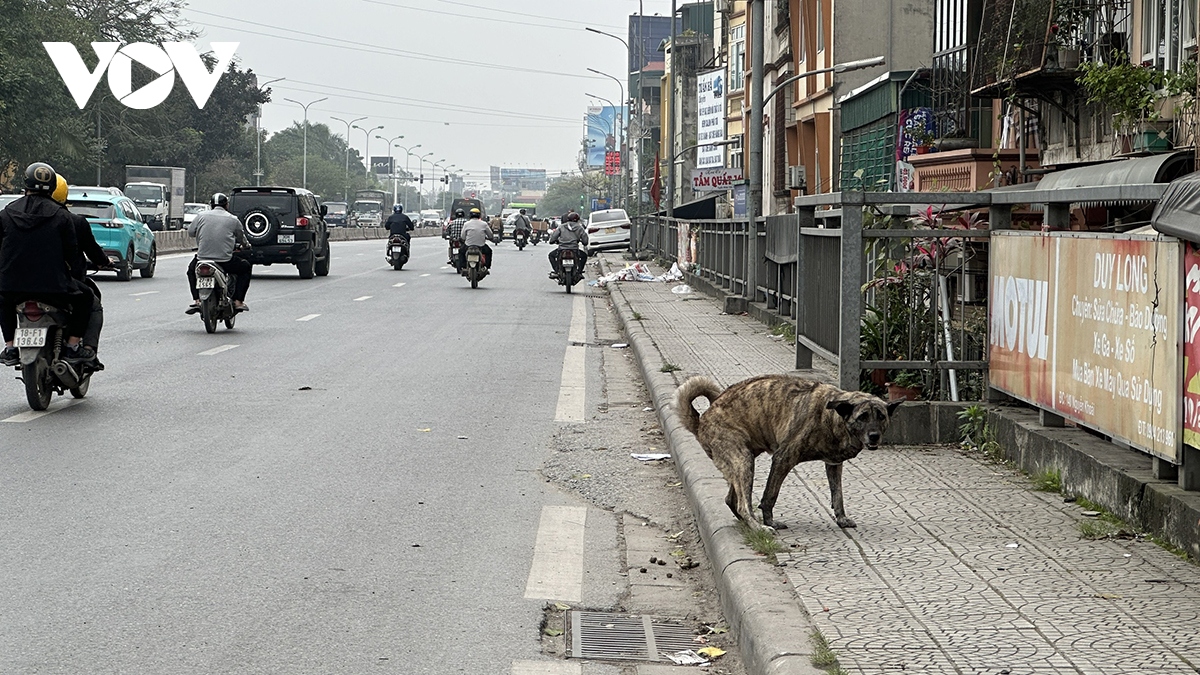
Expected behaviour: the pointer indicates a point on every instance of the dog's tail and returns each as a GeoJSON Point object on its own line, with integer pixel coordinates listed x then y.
{"type": "Point", "coordinates": [688, 392]}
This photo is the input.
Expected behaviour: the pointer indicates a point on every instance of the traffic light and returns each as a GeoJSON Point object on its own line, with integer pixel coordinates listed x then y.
{"type": "Point", "coordinates": [422, 179]}
{"type": "Point", "coordinates": [446, 180]}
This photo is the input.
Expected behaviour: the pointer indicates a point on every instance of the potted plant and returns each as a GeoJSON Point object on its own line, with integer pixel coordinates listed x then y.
{"type": "Point", "coordinates": [906, 385]}
{"type": "Point", "coordinates": [1133, 93]}
{"type": "Point", "coordinates": [924, 140]}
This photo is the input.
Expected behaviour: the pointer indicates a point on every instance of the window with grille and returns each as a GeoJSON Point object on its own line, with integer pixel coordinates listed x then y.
{"type": "Point", "coordinates": [737, 58]}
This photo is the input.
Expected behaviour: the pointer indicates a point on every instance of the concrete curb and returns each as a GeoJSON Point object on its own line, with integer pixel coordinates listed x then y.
{"type": "Point", "coordinates": [764, 613]}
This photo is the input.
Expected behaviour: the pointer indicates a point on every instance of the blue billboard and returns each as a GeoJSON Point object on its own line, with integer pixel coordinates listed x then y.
{"type": "Point", "coordinates": [603, 131]}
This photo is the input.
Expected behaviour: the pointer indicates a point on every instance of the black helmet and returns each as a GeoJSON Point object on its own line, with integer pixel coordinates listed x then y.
{"type": "Point", "coordinates": [459, 213]}
{"type": "Point", "coordinates": [522, 211]}
{"type": "Point", "coordinates": [219, 199]}
{"type": "Point", "coordinates": [40, 177]}
{"type": "Point", "coordinates": [573, 217]}
{"type": "Point", "coordinates": [399, 208]}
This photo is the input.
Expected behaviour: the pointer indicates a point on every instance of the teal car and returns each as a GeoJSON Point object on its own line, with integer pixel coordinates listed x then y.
{"type": "Point", "coordinates": [118, 228]}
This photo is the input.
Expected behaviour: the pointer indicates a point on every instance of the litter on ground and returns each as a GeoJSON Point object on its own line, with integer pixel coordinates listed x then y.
{"type": "Point", "coordinates": [650, 456]}
{"type": "Point", "coordinates": [688, 658]}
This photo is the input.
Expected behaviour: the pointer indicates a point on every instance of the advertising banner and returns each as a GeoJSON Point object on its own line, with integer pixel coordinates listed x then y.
{"type": "Point", "coordinates": [1089, 326]}
{"type": "Point", "coordinates": [715, 180]}
{"type": "Point", "coordinates": [710, 118]}
{"type": "Point", "coordinates": [383, 166]}
{"type": "Point", "coordinates": [603, 127]}
{"type": "Point", "coordinates": [1191, 347]}
{"type": "Point", "coordinates": [612, 163]}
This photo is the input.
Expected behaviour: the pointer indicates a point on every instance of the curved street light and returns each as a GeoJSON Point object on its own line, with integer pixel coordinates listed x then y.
{"type": "Point", "coordinates": [367, 149]}
{"type": "Point", "coordinates": [304, 179]}
{"type": "Point", "coordinates": [346, 189]}
{"type": "Point", "coordinates": [257, 135]}
{"type": "Point", "coordinates": [421, 171]}
{"type": "Point", "coordinates": [408, 176]}
{"type": "Point", "coordinates": [391, 163]}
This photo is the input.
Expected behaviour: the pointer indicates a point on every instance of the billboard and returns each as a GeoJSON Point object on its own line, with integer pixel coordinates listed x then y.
{"type": "Point", "coordinates": [603, 129]}
{"type": "Point", "coordinates": [646, 34]}
{"type": "Point", "coordinates": [710, 119]}
{"type": "Point", "coordinates": [1089, 326]}
{"type": "Point", "coordinates": [715, 180]}
{"type": "Point", "coordinates": [520, 180]}
{"type": "Point", "coordinates": [383, 166]}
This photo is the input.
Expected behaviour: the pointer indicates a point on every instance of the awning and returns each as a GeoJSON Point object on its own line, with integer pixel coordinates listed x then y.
{"type": "Point", "coordinates": [1137, 171]}
{"type": "Point", "coordinates": [704, 208]}
{"type": "Point", "coordinates": [1178, 212]}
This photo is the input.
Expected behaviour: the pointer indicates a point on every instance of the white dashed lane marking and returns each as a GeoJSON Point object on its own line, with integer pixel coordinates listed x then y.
{"type": "Point", "coordinates": [34, 414]}
{"type": "Point", "coordinates": [217, 350]}
{"type": "Point", "coordinates": [399, 285]}
{"type": "Point", "coordinates": [546, 668]}
{"type": "Point", "coordinates": [425, 275]}
{"type": "Point", "coordinates": [310, 317]}
{"type": "Point", "coordinates": [572, 393]}
{"type": "Point", "coordinates": [365, 297]}
{"type": "Point", "coordinates": [557, 569]}
{"type": "Point", "coordinates": [138, 295]}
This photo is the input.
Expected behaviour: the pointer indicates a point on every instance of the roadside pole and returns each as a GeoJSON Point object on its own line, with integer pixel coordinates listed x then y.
{"type": "Point", "coordinates": [754, 205]}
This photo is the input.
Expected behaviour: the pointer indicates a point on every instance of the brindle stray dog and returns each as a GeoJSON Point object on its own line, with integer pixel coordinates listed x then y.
{"type": "Point", "coordinates": [792, 419]}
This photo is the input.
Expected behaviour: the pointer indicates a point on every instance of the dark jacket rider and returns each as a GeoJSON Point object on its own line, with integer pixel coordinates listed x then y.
{"type": "Point", "coordinates": [568, 235]}
{"type": "Point", "coordinates": [399, 224]}
{"type": "Point", "coordinates": [37, 246]}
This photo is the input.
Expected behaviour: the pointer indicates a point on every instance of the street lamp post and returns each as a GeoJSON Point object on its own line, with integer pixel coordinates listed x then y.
{"type": "Point", "coordinates": [392, 164]}
{"type": "Point", "coordinates": [620, 128]}
{"type": "Point", "coordinates": [367, 149]}
{"type": "Point", "coordinates": [346, 190]}
{"type": "Point", "coordinates": [257, 134]}
{"type": "Point", "coordinates": [433, 179]}
{"type": "Point", "coordinates": [421, 171]}
{"type": "Point", "coordinates": [304, 180]}
{"type": "Point", "coordinates": [407, 176]}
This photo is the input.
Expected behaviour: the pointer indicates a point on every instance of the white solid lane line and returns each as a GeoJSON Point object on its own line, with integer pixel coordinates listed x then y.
{"type": "Point", "coordinates": [546, 668]}
{"type": "Point", "coordinates": [365, 297]}
{"type": "Point", "coordinates": [557, 569]}
{"type": "Point", "coordinates": [138, 295]}
{"type": "Point", "coordinates": [34, 414]}
{"type": "Point", "coordinates": [217, 350]}
{"type": "Point", "coordinates": [399, 285]}
{"type": "Point", "coordinates": [572, 393]}
{"type": "Point", "coordinates": [310, 317]}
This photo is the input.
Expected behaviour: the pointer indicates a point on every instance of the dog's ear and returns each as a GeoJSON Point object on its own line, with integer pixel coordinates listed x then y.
{"type": "Point", "coordinates": [843, 407]}
{"type": "Point", "coordinates": [891, 407]}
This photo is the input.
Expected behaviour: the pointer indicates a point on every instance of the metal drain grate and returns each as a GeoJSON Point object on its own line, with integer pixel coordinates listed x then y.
{"type": "Point", "coordinates": [624, 637]}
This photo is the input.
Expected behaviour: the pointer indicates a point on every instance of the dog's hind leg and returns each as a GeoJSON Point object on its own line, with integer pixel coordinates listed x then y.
{"type": "Point", "coordinates": [779, 471]}
{"type": "Point", "coordinates": [834, 473]}
{"type": "Point", "coordinates": [735, 462]}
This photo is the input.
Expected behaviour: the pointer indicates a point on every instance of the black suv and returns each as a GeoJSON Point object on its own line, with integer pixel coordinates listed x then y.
{"type": "Point", "coordinates": [284, 225]}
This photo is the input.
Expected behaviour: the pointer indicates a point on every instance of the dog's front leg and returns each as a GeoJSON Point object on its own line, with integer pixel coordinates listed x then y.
{"type": "Point", "coordinates": [834, 473]}
{"type": "Point", "coordinates": [779, 471]}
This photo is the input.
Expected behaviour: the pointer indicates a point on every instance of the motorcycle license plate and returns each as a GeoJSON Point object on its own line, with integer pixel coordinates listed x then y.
{"type": "Point", "coordinates": [569, 262]}
{"type": "Point", "coordinates": [287, 238]}
{"type": "Point", "coordinates": [472, 258]}
{"type": "Point", "coordinates": [30, 337]}
{"type": "Point", "coordinates": [206, 282]}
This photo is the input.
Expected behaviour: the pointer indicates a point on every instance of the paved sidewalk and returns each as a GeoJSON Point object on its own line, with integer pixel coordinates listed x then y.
{"type": "Point", "coordinates": [957, 566]}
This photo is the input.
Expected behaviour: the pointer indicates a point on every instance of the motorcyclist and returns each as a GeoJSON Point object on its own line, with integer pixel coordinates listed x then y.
{"type": "Point", "coordinates": [521, 222]}
{"type": "Point", "coordinates": [399, 224]}
{"type": "Point", "coordinates": [37, 247]}
{"type": "Point", "coordinates": [89, 250]}
{"type": "Point", "coordinates": [218, 232]}
{"type": "Point", "coordinates": [454, 232]}
{"type": "Point", "coordinates": [476, 232]}
{"type": "Point", "coordinates": [570, 234]}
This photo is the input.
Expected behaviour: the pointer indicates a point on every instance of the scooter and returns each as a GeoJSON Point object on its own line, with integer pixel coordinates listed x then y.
{"type": "Point", "coordinates": [571, 271]}
{"type": "Point", "coordinates": [476, 267]}
{"type": "Point", "coordinates": [41, 340]}
{"type": "Point", "coordinates": [215, 286]}
{"type": "Point", "coordinates": [455, 247]}
{"type": "Point", "coordinates": [397, 251]}
{"type": "Point", "coordinates": [520, 237]}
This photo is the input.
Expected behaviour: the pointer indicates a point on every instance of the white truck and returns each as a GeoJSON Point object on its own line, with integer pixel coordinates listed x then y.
{"type": "Point", "coordinates": [158, 192]}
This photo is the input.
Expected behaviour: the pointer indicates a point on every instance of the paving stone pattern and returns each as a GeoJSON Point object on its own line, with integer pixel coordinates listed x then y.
{"type": "Point", "coordinates": [957, 566]}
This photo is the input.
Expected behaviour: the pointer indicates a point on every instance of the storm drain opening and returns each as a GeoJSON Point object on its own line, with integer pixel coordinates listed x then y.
{"type": "Point", "coordinates": [625, 637]}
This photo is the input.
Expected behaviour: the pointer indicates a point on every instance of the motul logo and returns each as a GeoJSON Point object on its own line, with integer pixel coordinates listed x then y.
{"type": "Point", "coordinates": [165, 60]}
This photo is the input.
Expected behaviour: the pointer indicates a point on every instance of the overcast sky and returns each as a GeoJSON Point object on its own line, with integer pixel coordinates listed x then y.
{"type": "Point", "coordinates": [477, 82]}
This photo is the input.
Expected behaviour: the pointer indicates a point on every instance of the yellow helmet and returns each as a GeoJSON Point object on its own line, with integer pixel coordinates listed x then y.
{"type": "Point", "coordinates": [60, 191]}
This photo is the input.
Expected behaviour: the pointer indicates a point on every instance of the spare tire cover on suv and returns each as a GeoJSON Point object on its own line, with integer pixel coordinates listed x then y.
{"type": "Point", "coordinates": [260, 224]}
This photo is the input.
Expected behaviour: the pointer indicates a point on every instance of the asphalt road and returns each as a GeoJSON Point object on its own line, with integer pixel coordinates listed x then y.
{"type": "Point", "coordinates": [300, 501]}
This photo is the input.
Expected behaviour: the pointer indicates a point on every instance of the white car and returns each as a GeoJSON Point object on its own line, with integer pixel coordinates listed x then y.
{"type": "Point", "coordinates": [608, 229]}
{"type": "Point", "coordinates": [190, 209]}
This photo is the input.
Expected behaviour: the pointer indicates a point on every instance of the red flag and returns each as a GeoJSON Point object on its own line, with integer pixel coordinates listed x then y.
{"type": "Point", "coordinates": [656, 186]}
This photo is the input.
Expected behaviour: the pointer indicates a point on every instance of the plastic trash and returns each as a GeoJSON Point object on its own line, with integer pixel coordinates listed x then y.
{"type": "Point", "coordinates": [681, 289]}
{"type": "Point", "coordinates": [650, 456]}
{"type": "Point", "coordinates": [620, 345]}
{"type": "Point", "coordinates": [688, 658]}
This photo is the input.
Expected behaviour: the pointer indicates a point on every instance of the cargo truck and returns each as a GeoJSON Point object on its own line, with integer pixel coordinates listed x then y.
{"type": "Point", "coordinates": [158, 192]}
{"type": "Point", "coordinates": [370, 208]}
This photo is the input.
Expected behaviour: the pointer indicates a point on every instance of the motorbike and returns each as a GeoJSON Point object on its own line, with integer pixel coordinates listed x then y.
{"type": "Point", "coordinates": [476, 268]}
{"type": "Point", "coordinates": [397, 251]}
{"type": "Point", "coordinates": [535, 237]}
{"type": "Point", "coordinates": [520, 237]}
{"type": "Point", "coordinates": [41, 340]}
{"type": "Point", "coordinates": [571, 272]}
{"type": "Point", "coordinates": [455, 247]}
{"type": "Point", "coordinates": [215, 286]}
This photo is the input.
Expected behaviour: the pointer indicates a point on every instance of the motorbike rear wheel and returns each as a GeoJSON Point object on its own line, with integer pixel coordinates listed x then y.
{"type": "Point", "coordinates": [82, 389]}
{"type": "Point", "coordinates": [208, 312]}
{"type": "Point", "coordinates": [37, 384]}
{"type": "Point", "coordinates": [473, 275]}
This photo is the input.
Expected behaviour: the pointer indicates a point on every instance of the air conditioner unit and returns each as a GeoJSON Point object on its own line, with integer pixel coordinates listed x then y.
{"type": "Point", "coordinates": [721, 5]}
{"type": "Point", "coordinates": [797, 178]}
